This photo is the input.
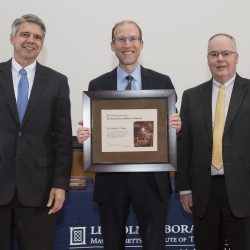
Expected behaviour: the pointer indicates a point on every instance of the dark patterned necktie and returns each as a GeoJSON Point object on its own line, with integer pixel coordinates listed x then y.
{"type": "Point", "coordinates": [129, 78]}
{"type": "Point", "coordinates": [22, 97]}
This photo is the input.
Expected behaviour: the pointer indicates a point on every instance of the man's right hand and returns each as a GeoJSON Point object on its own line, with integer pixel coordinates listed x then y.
{"type": "Point", "coordinates": [82, 133]}
{"type": "Point", "coordinates": [187, 202]}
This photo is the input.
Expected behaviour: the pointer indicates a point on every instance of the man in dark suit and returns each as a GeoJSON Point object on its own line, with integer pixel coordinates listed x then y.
{"type": "Point", "coordinates": [148, 192]}
{"type": "Point", "coordinates": [36, 141]}
{"type": "Point", "coordinates": [213, 152]}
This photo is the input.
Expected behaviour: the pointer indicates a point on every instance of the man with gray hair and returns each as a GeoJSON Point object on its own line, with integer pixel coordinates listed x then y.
{"type": "Point", "coordinates": [213, 152]}
{"type": "Point", "coordinates": [36, 141]}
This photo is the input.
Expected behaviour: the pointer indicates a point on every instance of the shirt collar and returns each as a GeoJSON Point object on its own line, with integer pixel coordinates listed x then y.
{"type": "Point", "coordinates": [136, 73]}
{"type": "Point", "coordinates": [16, 67]}
{"type": "Point", "coordinates": [228, 84]}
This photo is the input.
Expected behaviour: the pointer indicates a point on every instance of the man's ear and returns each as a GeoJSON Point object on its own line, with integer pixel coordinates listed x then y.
{"type": "Point", "coordinates": [112, 45]}
{"type": "Point", "coordinates": [237, 58]}
{"type": "Point", "coordinates": [142, 44]}
{"type": "Point", "coordinates": [11, 38]}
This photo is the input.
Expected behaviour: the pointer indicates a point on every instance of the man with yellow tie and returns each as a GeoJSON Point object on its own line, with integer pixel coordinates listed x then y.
{"type": "Point", "coordinates": [214, 152]}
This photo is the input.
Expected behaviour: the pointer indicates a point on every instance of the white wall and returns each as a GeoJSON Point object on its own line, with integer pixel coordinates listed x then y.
{"type": "Point", "coordinates": [175, 35]}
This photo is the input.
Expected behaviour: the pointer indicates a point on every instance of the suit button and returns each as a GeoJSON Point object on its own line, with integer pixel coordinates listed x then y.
{"type": "Point", "coordinates": [20, 134]}
{"type": "Point", "coordinates": [14, 158]}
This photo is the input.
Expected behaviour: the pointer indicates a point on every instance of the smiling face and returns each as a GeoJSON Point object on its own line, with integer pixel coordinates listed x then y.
{"type": "Point", "coordinates": [127, 52]}
{"type": "Point", "coordinates": [222, 69]}
{"type": "Point", "coordinates": [27, 43]}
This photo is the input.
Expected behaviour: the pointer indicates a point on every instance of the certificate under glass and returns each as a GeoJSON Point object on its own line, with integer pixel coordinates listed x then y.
{"type": "Point", "coordinates": [130, 131]}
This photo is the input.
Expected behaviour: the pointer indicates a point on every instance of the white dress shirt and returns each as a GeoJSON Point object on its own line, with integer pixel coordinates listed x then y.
{"type": "Point", "coordinates": [31, 70]}
{"type": "Point", "coordinates": [228, 92]}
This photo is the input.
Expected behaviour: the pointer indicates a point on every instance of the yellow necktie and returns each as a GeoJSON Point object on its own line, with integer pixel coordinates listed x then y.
{"type": "Point", "coordinates": [219, 123]}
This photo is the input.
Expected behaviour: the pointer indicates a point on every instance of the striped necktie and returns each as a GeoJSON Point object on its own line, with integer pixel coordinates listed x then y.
{"type": "Point", "coordinates": [129, 78]}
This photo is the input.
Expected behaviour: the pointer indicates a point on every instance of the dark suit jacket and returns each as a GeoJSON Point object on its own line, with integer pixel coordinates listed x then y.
{"type": "Point", "coordinates": [35, 155]}
{"type": "Point", "coordinates": [196, 141]}
{"type": "Point", "coordinates": [158, 181]}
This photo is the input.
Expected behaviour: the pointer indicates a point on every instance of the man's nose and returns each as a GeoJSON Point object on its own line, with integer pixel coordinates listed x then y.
{"type": "Point", "coordinates": [127, 43]}
{"type": "Point", "coordinates": [30, 39]}
{"type": "Point", "coordinates": [220, 57]}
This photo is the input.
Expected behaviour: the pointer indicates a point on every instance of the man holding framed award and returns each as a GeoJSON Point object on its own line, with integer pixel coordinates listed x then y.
{"type": "Point", "coordinates": [148, 192]}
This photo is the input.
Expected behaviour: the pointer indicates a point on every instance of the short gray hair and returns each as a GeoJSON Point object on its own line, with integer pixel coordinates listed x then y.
{"type": "Point", "coordinates": [224, 34]}
{"type": "Point", "coordinates": [30, 19]}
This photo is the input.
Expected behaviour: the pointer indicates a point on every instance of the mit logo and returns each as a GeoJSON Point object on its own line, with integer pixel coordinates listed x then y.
{"type": "Point", "coordinates": [77, 236]}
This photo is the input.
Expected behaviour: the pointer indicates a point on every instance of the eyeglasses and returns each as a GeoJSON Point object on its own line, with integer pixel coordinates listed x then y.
{"type": "Point", "coordinates": [123, 39]}
{"type": "Point", "coordinates": [225, 54]}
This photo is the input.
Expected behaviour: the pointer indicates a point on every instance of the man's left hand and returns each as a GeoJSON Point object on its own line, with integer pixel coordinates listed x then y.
{"type": "Point", "coordinates": [56, 196]}
{"type": "Point", "coordinates": [175, 122]}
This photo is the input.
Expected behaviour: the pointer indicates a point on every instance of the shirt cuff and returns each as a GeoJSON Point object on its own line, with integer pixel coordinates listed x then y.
{"type": "Point", "coordinates": [185, 192]}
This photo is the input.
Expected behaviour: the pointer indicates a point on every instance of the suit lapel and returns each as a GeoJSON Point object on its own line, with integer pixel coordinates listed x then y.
{"type": "Point", "coordinates": [111, 81]}
{"type": "Point", "coordinates": [206, 100]}
{"type": "Point", "coordinates": [146, 79]}
{"type": "Point", "coordinates": [6, 82]}
{"type": "Point", "coordinates": [39, 83]}
{"type": "Point", "coordinates": [237, 96]}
